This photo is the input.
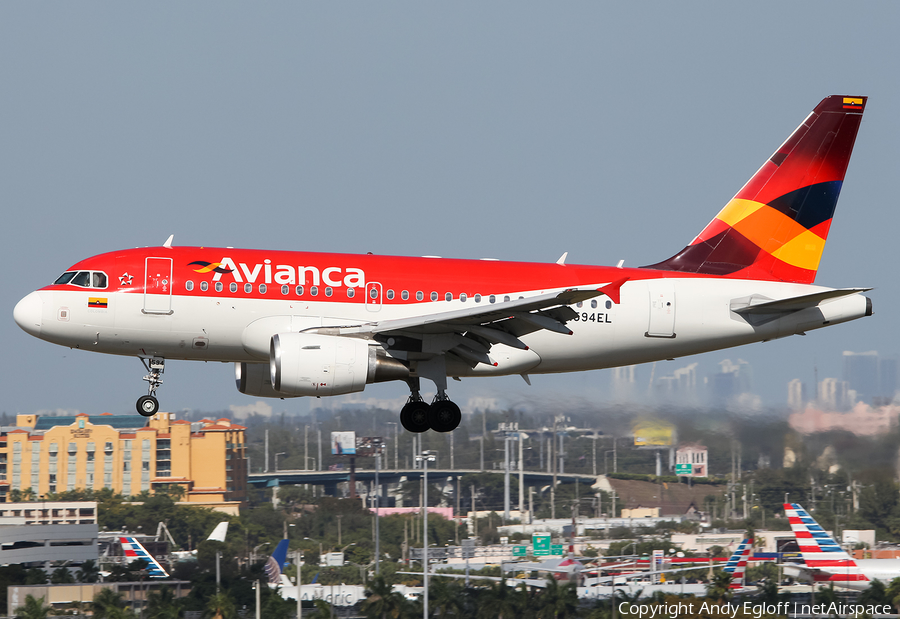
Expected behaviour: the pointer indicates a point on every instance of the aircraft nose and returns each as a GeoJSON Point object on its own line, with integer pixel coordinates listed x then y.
{"type": "Point", "coordinates": [28, 313]}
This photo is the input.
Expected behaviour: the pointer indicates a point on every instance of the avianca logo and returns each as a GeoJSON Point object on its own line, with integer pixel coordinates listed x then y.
{"type": "Point", "coordinates": [206, 267]}
{"type": "Point", "coordinates": [268, 273]}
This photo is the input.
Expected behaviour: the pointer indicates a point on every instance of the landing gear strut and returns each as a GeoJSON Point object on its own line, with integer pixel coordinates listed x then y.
{"type": "Point", "coordinates": [418, 416]}
{"type": "Point", "coordinates": [147, 405]}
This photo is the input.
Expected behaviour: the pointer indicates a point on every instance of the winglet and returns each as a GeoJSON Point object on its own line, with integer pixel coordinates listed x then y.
{"type": "Point", "coordinates": [168, 243]}
{"type": "Point", "coordinates": [614, 289]}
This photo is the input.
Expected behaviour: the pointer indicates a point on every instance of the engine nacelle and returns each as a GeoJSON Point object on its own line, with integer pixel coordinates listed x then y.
{"type": "Point", "coordinates": [255, 379]}
{"type": "Point", "coordinates": [322, 365]}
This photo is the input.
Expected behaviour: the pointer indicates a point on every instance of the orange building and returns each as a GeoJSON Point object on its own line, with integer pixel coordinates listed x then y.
{"type": "Point", "coordinates": [128, 454]}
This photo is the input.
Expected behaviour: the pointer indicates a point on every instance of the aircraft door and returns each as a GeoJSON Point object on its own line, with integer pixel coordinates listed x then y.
{"type": "Point", "coordinates": [373, 296]}
{"type": "Point", "coordinates": [157, 286]}
{"type": "Point", "coordinates": [662, 308]}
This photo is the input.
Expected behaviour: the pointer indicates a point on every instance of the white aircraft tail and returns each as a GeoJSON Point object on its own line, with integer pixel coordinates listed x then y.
{"type": "Point", "coordinates": [819, 550]}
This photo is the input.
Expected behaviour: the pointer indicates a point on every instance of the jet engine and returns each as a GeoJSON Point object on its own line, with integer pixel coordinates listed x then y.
{"type": "Point", "coordinates": [322, 365]}
{"type": "Point", "coordinates": [255, 379]}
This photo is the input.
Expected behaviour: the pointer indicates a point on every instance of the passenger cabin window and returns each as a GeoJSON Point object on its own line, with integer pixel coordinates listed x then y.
{"type": "Point", "coordinates": [248, 288]}
{"type": "Point", "coordinates": [313, 290]}
{"type": "Point", "coordinates": [285, 289]}
{"type": "Point", "coordinates": [434, 296]}
{"type": "Point", "coordinates": [448, 296]}
{"type": "Point", "coordinates": [419, 296]}
{"type": "Point", "coordinates": [463, 297]}
{"type": "Point", "coordinates": [233, 287]}
{"type": "Point", "coordinates": [594, 304]}
{"type": "Point", "coordinates": [330, 291]}
{"type": "Point", "coordinates": [478, 298]}
{"type": "Point", "coordinates": [404, 295]}
{"type": "Point", "coordinates": [218, 286]}
{"type": "Point", "coordinates": [204, 286]}
{"type": "Point", "coordinates": [299, 291]}
{"type": "Point", "coordinates": [505, 297]}
{"type": "Point", "coordinates": [351, 292]}
{"type": "Point", "coordinates": [493, 298]}
{"type": "Point", "coordinates": [262, 289]}
{"type": "Point", "coordinates": [390, 295]}
{"type": "Point", "coordinates": [188, 285]}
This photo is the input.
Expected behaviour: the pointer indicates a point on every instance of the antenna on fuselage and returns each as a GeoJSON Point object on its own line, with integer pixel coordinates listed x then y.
{"type": "Point", "coordinates": [168, 243]}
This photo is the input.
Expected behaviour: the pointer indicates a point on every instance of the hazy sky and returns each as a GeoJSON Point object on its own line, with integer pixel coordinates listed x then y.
{"type": "Point", "coordinates": [512, 130]}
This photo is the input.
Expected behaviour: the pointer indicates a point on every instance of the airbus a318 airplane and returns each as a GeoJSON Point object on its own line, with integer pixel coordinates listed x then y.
{"type": "Point", "coordinates": [322, 324]}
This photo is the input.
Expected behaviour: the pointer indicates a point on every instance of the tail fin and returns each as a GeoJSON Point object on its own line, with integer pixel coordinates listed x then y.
{"type": "Point", "coordinates": [776, 226]}
{"type": "Point", "coordinates": [275, 563]}
{"type": "Point", "coordinates": [819, 550]}
{"type": "Point", "coordinates": [134, 550]}
{"type": "Point", "coordinates": [737, 563]}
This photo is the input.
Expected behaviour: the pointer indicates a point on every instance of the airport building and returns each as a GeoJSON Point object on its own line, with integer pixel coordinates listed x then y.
{"type": "Point", "coordinates": [128, 454]}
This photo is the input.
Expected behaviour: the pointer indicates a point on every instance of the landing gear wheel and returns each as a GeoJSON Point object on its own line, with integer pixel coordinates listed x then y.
{"type": "Point", "coordinates": [147, 405]}
{"type": "Point", "coordinates": [444, 416]}
{"type": "Point", "coordinates": [414, 416]}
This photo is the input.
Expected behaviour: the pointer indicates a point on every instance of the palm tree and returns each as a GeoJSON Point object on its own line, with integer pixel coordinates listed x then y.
{"type": "Point", "coordinates": [62, 576]}
{"type": "Point", "coordinates": [382, 602]}
{"type": "Point", "coordinates": [107, 603]}
{"type": "Point", "coordinates": [322, 611]}
{"type": "Point", "coordinates": [220, 606]}
{"type": "Point", "coordinates": [33, 609]}
{"type": "Point", "coordinates": [445, 596]}
{"type": "Point", "coordinates": [558, 601]}
{"type": "Point", "coordinates": [162, 604]}
{"type": "Point", "coordinates": [719, 588]}
{"type": "Point", "coordinates": [89, 571]}
{"type": "Point", "coordinates": [496, 602]}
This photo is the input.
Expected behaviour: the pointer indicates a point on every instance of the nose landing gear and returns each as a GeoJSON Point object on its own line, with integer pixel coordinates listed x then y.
{"type": "Point", "coordinates": [148, 405]}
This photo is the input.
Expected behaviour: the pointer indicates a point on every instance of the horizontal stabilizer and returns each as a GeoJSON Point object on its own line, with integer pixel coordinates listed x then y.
{"type": "Point", "coordinates": [758, 305]}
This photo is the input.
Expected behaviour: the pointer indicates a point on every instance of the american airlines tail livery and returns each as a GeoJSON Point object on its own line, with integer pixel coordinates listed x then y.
{"type": "Point", "coordinates": [826, 561]}
{"type": "Point", "coordinates": [320, 324]}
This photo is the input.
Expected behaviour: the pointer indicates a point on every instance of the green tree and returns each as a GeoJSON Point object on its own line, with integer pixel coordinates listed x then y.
{"type": "Point", "coordinates": [496, 602]}
{"type": "Point", "coordinates": [108, 604]}
{"type": "Point", "coordinates": [36, 576]}
{"type": "Point", "coordinates": [33, 609]}
{"type": "Point", "coordinates": [89, 572]}
{"type": "Point", "coordinates": [62, 576]}
{"type": "Point", "coordinates": [719, 588]}
{"type": "Point", "coordinates": [162, 604]}
{"type": "Point", "coordinates": [445, 597]}
{"type": "Point", "coordinates": [558, 601]}
{"type": "Point", "coordinates": [382, 602]}
{"type": "Point", "coordinates": [220, 606]}
{"type": "Point", "coordinates": [875, 594]}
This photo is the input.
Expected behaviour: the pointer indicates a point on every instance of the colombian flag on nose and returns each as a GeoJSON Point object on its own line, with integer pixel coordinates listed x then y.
{"type": "Point", "coordinates": [97, 302]}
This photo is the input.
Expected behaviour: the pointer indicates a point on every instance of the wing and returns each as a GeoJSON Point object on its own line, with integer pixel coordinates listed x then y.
{"type": "Point", "coordinates": [470, 333]}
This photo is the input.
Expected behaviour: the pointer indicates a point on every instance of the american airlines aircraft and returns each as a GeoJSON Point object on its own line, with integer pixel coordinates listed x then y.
{"type": "Point", "coordinates": [826, 561]}
{"type": "Point", "coordinates": [321, 324]}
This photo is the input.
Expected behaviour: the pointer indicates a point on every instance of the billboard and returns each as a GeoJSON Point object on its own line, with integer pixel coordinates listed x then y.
{"type": "Point", "coordinates": [343, 443]}
{"type": "Point", "coordinates": [653, 433]}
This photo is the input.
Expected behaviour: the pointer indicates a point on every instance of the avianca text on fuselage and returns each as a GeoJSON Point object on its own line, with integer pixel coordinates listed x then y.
{"type": "Point", "coordinates": [748, 276]}
{"type": "Point", "coordinates": [285, 274]}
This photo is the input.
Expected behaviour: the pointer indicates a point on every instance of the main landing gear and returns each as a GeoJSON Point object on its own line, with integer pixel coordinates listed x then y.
{"type": "Point", "coordinates": [442, 415]}
{"type": "Point", "coordinates": [147, 405]}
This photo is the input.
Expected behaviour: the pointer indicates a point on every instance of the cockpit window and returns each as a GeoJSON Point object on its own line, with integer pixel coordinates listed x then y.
{"type": "Point", "coordinates": [85, 279]}
{"type": "Point", "coordinates": [82, 278]}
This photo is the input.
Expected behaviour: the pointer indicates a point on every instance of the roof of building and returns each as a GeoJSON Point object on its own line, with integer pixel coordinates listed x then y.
{"type": "Point", "coordinates": [119, 422]}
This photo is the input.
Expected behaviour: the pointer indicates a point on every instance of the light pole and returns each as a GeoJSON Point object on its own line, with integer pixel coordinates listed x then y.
{"type": "Point", "coordinates": [276, 459]}
{"type": "Point", "coordinates": [298, 559]}
{"type": "Point", "coordinates": [425, 457]}
{"type": "Point", "coordinates": [396, 447]}
{"type": "Point", "coordinates": [378, 447]}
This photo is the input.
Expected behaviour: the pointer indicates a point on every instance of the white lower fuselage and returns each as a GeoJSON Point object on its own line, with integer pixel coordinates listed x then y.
{"type": "Point", "coordinates": [685, 316]}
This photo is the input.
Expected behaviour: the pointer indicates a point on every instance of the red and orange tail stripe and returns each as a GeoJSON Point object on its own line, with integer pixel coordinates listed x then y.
{"type": "Point", "coordinates": [776, 226]}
